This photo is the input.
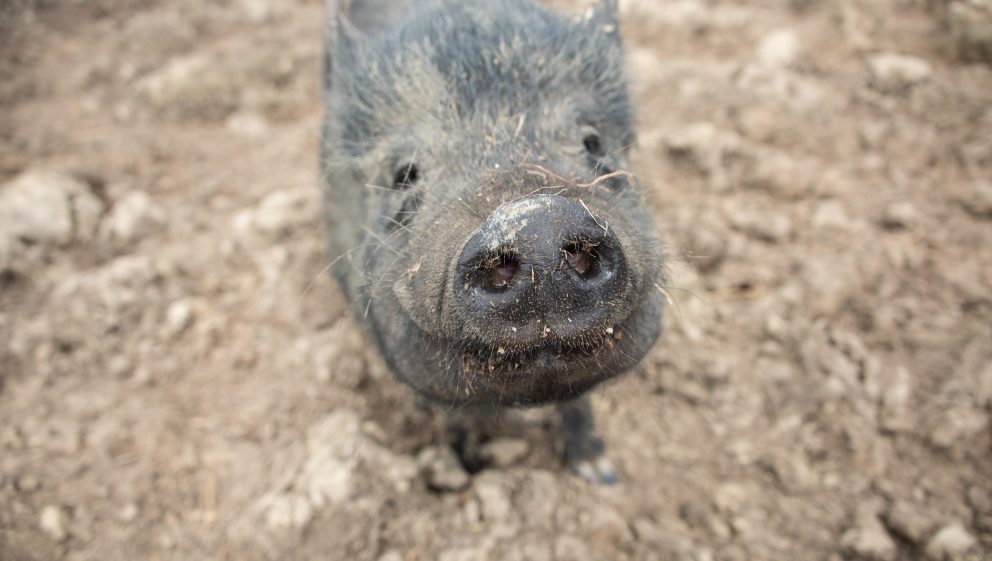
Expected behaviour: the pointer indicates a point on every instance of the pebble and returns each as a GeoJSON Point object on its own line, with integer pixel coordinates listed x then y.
{"type": "Point", "coordinates": [869, 541]}
{"type": "Point", "coordinates": [910, 521]}
{"type": "Point", "coordinates": [970, 24]}
{"type": "Point", "coordinates": [959, 425]}
{"type": "Point", "coordinates": [504, 452]}
{"type": "Point", "coordinates": [179, 317]}
{"type": "Point", "coordinates": [898, 216]}
{"type": "Point", "coordinates": [571, 548]}
{"type": "Point", "coordinates": [608, 526]}
{"type": "Point", "coordinates": [493, 497]}
{"type": "Point", "coordinates": [780, 49]}
{"type": "Point", "coordinates": [896, 73]}
{"type": "Point", "coordinates": [831, 215]}
{"type": "Point", "coordinates": [442, 469]}
{"type": "Point", "coordinates": [192, 85]}
{"type": "Point", "coordinates": [279, 213]}
{"type": "Point", "coordinates": [28, 484]}
{"type": "Point", "coordinates": [464, 554]}
{"type": "Point", "coordinates": [47, 208]}
{"type": "Point", "coordinates": [249, 125]}
{"type": "Point", "coordinates": [978, 200]}
{"type": "Point", "coordinates": [951, 543]}
{"type": "Point", "coordinates": [52, 522]}
{"type": "Point", "coordinates": [128, 513]}
{"type": "Point", "coordinates": [896, 414]}
{"type": "Point", "coordinates": [133, 217]}
{"type": "Point", "coordinates": [772, 228]}
{"type": "Point", "coordinates": [287, 511]}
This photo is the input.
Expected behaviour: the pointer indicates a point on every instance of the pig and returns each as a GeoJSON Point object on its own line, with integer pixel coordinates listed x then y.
{"type": "Point", "coordinates": [479, 210]}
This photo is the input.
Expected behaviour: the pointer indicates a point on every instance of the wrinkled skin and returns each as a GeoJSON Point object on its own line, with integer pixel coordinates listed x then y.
{"type": "Point", "coordinates": [453, 127]}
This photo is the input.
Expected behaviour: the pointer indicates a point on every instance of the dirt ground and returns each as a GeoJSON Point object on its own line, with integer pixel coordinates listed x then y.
{"type": "Point", "coordinates": [179, 379]}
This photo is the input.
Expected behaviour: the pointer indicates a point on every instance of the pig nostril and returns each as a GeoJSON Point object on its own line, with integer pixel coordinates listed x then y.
{"type": "Point", "coordinates": [498, 271]}
{"type": "Point", "coordinates": [582, 258]}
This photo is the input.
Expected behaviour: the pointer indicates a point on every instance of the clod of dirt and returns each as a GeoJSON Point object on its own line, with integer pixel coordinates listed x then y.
{"type": "Point", "coordinates": [178, 317]}
{"type": "Point", "coordinates": [952, 543]}
{"type": "Point", "coordinates": [134, 217]}
{"type": "Point", "coordinates": [759, 224]}
{"type": "Point", "coordinates": [248, 124]}
{"type": "Point", "coordinates": [895, 413]}
{"type": "Point", "coordinates": [901, 215]}
{"type": "Point", "coordinates": [869, 541]}
{"type": "Point", "coordinates": [910, 521]}
{"type": "Point", "coordinates": [443, 470]}
{"type": "Point", "coordinates": [46, 209]}
{"type": "Point", "coordinates": [52, 522]}
{"type": "Point", "coordinates": [971, 27]}
{"type": "Point", "coordinates": [897, 73]}
{"type": "Point", "coordinates": [279, 214]}
{"type": "Point", "coordinates": [978, 200]}
{"type": "Point", "coordinates": [504, 452]}
{"type": "Point", "coordinates": [493, 492]}
{"type": "Point", "coordinates": [780, 49]}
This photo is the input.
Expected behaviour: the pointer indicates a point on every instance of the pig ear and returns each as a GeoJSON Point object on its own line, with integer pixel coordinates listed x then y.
{"type": "Point", "coordinates": [340, 36]}
{"type": "Point", "coordinates": [605, 18]}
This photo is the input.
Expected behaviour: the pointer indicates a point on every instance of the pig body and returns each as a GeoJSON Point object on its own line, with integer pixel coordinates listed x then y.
{"type": "Point", "coordinates": [479, 210]}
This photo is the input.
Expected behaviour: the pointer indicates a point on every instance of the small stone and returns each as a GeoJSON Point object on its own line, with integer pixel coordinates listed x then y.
{"type": "Point", "coordinates": [708, 246]}
{"type": "Point", "coordinates": [980, 499]}
{"type": "Point", "coordinates": [896, 414]}
{"type": "Point", "coordinates": [703, 147]}
{"type": "Point", "coordinates": [279, 214]}
{"type": "Point", "coordinates": [896, 73]}
{"type": "Point", "coordinates": [391, 555]}
{"type": "Point", "coordinates": [609, 527]}
{"type": "Point", "coordinates": [179, 317]}
{"type": "Point", "coordinates": [250, 125]}
{"type": "Point", "coordinates": [958, 425]}
{"type": "Point", "coordinates": [504, 452]}
{"type": "Point", "coordinates": [570, 548]}
{"type": "Point", "coordinates": [52, 522]}
{"type": "Point", "coordinates": [970, 24]}
{"type": "Point", "coordinates": [464, 554]}
{"type": "Point", "coordinates": [780, 49]}
{"type": "Point", "coordinates": [900, 215]}
{"type": "Point", "coordinates": [869, 540]}
{"type": "Point", "coordinates": [192, 85]}
{"type": "Point", "coordinates": [951, 543]}
{"type": "Point", "coordinates": [696, 514]}
{"type": "Point", "coordinates": [132, 218]}
{"type": "Point", "coordinates": [28, 484]}
{"type": "Point", "coordinates": [831, 215]}
{"type": "Point", "coordinates": [768, 227]}
{"type": "Point", "coordinates": [442, 469]}
{"type": "Point", "coordinates": [285, 511]}
{"type": "Point", "coordinates": [47, 208]}
{"type": "Point", "coordinates": [910, 521]}
{"type": "Point", "coordinates": [493, 497]}
{"type": "Point", "coordinates": [128, 513]}
{"type": "Point", "coordinates": [261, 11]}
{"type": "Point", "coordinates": [978, 201]}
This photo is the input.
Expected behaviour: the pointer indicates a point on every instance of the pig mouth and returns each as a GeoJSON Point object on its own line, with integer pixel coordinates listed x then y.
{"type": "Point", "coordinates": [484, 358]}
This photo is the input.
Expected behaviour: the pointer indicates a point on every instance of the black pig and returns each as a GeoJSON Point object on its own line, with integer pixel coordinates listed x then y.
{"type": "Point", "coordinates": [477, 204]}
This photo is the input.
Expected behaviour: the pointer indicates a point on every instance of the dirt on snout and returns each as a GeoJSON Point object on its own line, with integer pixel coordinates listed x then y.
{"type": "Point", "coordinates": [179, 378]}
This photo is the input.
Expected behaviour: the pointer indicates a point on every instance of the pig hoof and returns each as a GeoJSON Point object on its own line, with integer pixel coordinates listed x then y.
{"type": "Point", "coordinates": [596, 471]}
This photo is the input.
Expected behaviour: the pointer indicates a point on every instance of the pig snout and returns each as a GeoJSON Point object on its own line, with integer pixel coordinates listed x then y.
{"type": "Point", "coordinates": [539, 267]}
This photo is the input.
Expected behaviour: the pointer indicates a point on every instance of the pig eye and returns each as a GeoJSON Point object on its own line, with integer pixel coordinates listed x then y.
{"type": "Point", "coordinates": [406, 175]}
{"type": "Point", "coordinates": [593, 145]}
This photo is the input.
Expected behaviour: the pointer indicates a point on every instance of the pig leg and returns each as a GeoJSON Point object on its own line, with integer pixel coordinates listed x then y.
{"type": "Point", "coordinates": [466, 431]}
{"type": "Point", "coordinates": [584, 450]}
